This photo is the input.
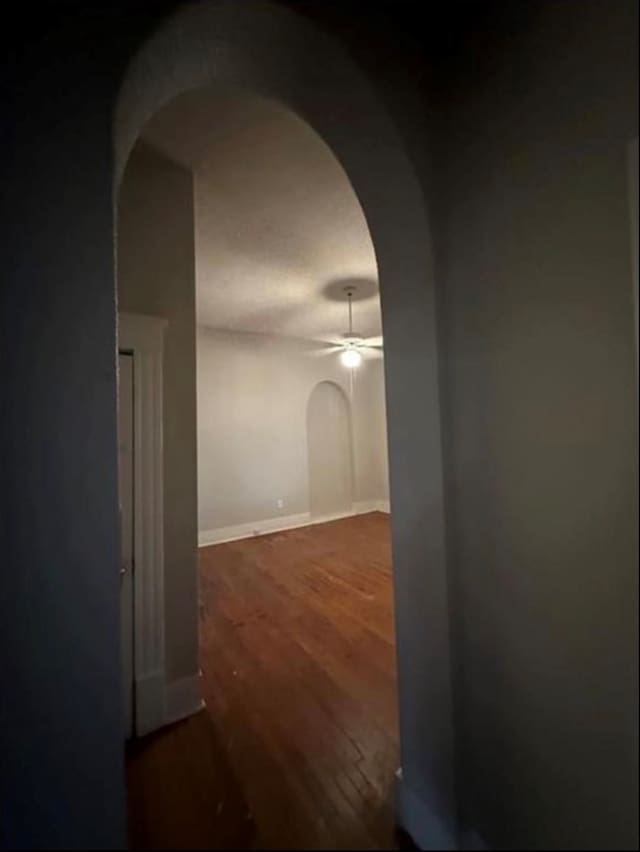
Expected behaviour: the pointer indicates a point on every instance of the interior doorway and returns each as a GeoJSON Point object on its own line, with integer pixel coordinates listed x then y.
{"type": "Point", "coordinates": [125, 480]}
{"type": "Point", "coordinates": [257, 48]}
{"type": "Point", "coordinates": [240, 230]}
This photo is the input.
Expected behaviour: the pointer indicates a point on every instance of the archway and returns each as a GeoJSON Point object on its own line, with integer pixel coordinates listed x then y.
{"type": "Point", "coordinates": [330, 451]}
{"type": "Point", "coordinates": [274, 52]}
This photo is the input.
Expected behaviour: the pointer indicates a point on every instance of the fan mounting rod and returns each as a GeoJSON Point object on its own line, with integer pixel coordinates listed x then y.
{"type": "Point", "coordinates": [350, 336]}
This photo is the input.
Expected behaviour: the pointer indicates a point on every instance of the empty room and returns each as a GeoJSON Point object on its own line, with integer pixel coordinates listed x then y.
{"type": "Point", "coordinates": [244, 250]}
{"type": "Point", "coordinates": [320, 425]}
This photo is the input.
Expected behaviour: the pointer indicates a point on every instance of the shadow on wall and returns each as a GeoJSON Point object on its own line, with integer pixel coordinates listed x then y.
{"type": "Point", "coordinates": [362, 289]}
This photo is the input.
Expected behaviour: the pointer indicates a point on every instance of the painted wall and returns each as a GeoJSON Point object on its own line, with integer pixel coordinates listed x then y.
{"type": "Point", "coordinates": [543, 516]}
{"type": "Point", "coordinates": [370, 417]}
{"type": "Point", "coordinates": [61, 722]}
{"type": "Point", "coordinates": [156, 275]}
{"type": "Point", "coordinates": [542, 438]}
{"type": "Point", "coordinates": [253, 392]}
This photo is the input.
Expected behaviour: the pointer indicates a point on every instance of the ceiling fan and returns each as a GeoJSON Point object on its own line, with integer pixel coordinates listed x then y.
{"type": "Point", "coordinates": [352, 346]}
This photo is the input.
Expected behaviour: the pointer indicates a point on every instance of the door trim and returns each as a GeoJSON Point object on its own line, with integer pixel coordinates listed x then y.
{"type": "Point", "coordinates": [632, 157]}
{"type": "Point", "coordinates": [143, 337]}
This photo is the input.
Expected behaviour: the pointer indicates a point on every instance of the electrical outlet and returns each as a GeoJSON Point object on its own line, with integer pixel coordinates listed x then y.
{"type": "Point", "coordinates": [280, 503]}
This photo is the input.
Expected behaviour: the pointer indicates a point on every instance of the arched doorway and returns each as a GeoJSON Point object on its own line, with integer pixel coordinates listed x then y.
{"type": "Point", "coordinates": [330, 451]}
{"type": "Point", "coordinates": [276, 53]}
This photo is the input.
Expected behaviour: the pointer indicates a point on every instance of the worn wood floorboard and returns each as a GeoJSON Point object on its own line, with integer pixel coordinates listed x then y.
{"type": "Point", "coordinates": [298, 661]}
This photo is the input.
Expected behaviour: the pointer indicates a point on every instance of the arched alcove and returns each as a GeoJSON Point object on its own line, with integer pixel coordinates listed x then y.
{"type": "Point", "coordinates": [330, 451]}
{"type": "Point", "coordinates": [269, 50]}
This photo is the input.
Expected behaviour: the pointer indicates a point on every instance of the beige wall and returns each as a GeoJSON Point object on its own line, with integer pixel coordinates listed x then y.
{"type": "Point", "coordinates": [253, 392]}
{"type": "Point", "coordinates": [156, 276]}
{"type": "Point", "coordinates": [370, 416]}
{"type": "Point", "coordinates": [542, 429]}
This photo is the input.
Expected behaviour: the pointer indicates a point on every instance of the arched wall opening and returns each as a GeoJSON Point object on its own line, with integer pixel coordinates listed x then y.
{"type": "Point", "coordinates": [330, 450]}
{"type": "Point", "coordinates": [268, 50]}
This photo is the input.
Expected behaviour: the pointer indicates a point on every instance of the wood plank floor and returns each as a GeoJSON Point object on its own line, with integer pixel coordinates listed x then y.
{"type": "Point", "coordinates": [183, 793]}
{"type": "Point", "coordinates": [298, 660]}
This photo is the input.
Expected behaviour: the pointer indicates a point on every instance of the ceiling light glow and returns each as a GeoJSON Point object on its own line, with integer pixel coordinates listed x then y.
{"type": "Point", "coordinates": [351, 358]}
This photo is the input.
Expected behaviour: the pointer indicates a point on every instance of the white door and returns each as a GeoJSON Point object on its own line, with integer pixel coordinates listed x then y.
{"type": "Point", "coordinates": [125, 476]}
{"type": "Point", "coordinates": [330, 457]}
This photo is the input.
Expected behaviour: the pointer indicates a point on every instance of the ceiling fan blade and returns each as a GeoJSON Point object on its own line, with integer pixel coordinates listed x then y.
{"type": "Point", "coordinates": [327, 340]}
{"type": "Point", "coordinates": [370, 352]}
{"type": "Point", "coordinates": [376, 340]}
{"type": "Point", "coordinates": [325, 350]}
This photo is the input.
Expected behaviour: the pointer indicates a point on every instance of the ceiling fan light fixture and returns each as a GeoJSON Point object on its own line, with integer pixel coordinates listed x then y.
{"type": "Point", "coordinates": [350, 358]}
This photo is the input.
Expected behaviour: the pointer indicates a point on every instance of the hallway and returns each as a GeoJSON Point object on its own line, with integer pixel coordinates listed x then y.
{"type": "Point", "coordinates": [298, 662]}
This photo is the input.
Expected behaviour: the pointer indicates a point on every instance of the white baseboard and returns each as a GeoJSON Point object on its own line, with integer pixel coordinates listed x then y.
{"type": "Point", "coordinates": [286, 522]}
{"type": "Point", "coordinates": [183, 698]}
{"type": "Point", "coordinates": [267, 525]}
{"type": "Point", "coordinates": [364, 506]}
{"type": "Point", "coordinates": [149, 703]}
{"type": "Point", "coordinates": [427, 829]}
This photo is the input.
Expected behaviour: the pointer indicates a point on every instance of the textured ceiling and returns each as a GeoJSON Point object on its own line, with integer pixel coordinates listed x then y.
{"type": "Point", "coordinates": [278, 225]}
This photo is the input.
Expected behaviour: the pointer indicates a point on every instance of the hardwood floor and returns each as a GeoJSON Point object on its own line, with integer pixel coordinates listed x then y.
{"type": "Point", "coordinates": [182, 792]}
{"type": "Point", "coordinates": [298, 660]}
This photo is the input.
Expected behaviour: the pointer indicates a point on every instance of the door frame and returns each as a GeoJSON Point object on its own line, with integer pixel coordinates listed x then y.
{"type": "Point", "coordinates": [143, 337]}
{"type": "Point", "coordinates": [277, 53]}
{"type": "Point", "coordinates": [632, 157]}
